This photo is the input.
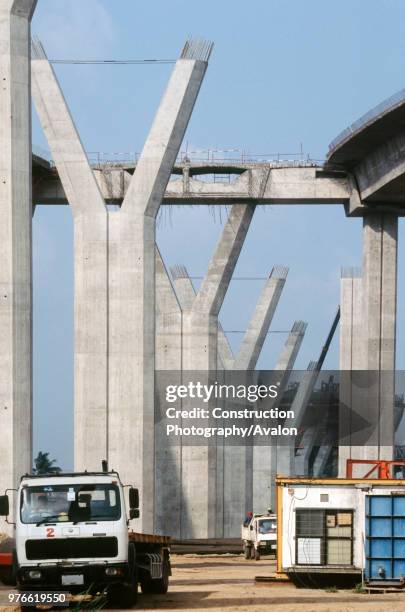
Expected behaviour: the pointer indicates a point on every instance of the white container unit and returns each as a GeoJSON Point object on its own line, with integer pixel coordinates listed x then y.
{"type": "Point", "coordinates": [342, 526]}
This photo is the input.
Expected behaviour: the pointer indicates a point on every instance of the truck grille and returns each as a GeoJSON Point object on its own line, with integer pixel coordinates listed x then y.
{"type": "Point", "coordinates": [71, 548]}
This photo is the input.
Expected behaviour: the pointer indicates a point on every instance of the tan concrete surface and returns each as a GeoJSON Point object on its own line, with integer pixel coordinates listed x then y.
{"type": "Point", "coordinates": [227, 583]}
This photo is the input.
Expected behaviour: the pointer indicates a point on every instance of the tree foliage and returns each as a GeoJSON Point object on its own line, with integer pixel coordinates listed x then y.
{"type": "Point", "coordinates": [44, 465]}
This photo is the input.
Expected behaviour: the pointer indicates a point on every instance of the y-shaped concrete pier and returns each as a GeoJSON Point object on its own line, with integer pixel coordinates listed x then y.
{"type": "Point", "coordinates": [115, 277]}
{"type": "Point", "coordinates": [200, 471]}
{"type": "Point", "coordinates": [231, 459]}
{"type": "Point", "coordinates": [15, 244]}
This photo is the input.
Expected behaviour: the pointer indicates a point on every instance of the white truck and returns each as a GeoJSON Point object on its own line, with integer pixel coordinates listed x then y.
{"type": "Point", "coordinates": [259, 536]}
{"type": "Point", "coordinates": [71, 534]}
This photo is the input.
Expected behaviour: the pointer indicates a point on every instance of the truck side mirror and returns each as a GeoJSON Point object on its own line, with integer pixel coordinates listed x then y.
{"type": "Point", "coordinates": [133, 513]}
{"type": "Point", "coordinates": [4, 505]}
{"type": "Point", "coordinates": [250, 526]}
{"type": "Point", "coordinates": [133, 499]}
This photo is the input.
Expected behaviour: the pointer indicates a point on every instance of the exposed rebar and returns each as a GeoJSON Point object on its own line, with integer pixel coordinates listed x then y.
{"type": "Point", "coordinates": [179, 271]}
{"type": "Point", "coordinates": [197, 49]}
{"type": "Point", "coordinates": [299, 327]}
{"type": "Point", "coordinates": [37, 49]}
{"type": "Point", "coordinates": [350, 272]}
{"type": "Point", "coordinates": [279, 272]}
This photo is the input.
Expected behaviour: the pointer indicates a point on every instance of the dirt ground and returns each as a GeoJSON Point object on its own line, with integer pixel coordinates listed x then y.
{"type": "Point", "coordinates": [226, 583]}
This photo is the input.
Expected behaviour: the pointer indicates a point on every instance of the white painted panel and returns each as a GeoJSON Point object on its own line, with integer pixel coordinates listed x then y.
{"type": "Point", "coordinates": [309, 551]}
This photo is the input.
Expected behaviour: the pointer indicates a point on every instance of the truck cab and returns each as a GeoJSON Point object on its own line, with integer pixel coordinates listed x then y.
{"type": "Point", "coordinates": [71, 533]}
{"type": "Point", "coordinates": [259, 536]}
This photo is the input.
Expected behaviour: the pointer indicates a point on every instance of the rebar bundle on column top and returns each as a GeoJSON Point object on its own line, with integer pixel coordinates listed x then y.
{"type": "Point", "coordinates": [299, 327]}
{"type": "Point", "coordinates": [197, 49]}
{"type": "Point", "coordinates": [279, 272]}
{"type": "Point", "coordinates": [179, 271]}
{"type": "Point", "coordinates": [37, 48]}
{"type": "Point", "coordinates": [350, 272]}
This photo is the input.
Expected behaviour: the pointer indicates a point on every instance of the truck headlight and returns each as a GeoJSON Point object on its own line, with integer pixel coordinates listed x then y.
{"type": "Point", "coordinates": [34, 574]}
{"type": "Point", "coordinates": [113, 571]}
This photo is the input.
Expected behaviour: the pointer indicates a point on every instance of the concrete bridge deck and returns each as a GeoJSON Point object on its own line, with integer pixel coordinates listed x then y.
{"type": "Point", "coordinates": [225, 182]}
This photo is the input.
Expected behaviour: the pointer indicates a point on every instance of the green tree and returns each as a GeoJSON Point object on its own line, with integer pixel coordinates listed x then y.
{"type": "Point", "coordinates": [44, 465]}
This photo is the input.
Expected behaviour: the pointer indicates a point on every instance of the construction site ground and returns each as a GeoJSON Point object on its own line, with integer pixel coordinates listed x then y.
{"type": "Point", "coordinates": [227, 582]}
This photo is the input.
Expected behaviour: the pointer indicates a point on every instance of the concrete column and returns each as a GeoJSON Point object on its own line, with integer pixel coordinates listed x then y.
{"type": "Point", "coordinates": [302, 460]}
{"type": "Point", "coordinates": [202, 503]}
{"type": "Point", "coordinates": [130, 268]}
{"type": "Point", "coordinates": [90, 265]}
{"type": "Point", "coordinates": [234, 457]}
{"type": "Point", "coordinates": [15, 244]}
{"type": "Point", "coordinates": [168, 338]}
{"type": "Point", "coordinates": [132, 300]}
{"type": "Point", "coordinates": [265, 457]}
{"type": "Point", "coordinates": [286, 453]}
{"type": "Point", "coordinates": [322, 457]}
{"type": "Point", "coordinates": [238, 466]}
{"type": "Point", "coordinates": [380, 242]}
{"type": "Point", "coordinates": [259, 325]}
{"type": "Point", "coordinates": [186, 294]}
{"type": "Point", "coordinates": [352, 357]}
{"type": "Point", "coordinates": [168, 321]}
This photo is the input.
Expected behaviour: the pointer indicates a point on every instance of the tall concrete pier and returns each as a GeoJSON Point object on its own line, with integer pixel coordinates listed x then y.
{"type": "Point", "coordinates": [15, 243]}
{"type": "Point", "coordinates": [169, 357]}
{"type": "Point", "coordinates": [231, 461]}
{"type": "Point", "coordinates": [115, 275]}
{"type": "Point", "coordinates": [200, 342]}
{"type": "Point", "coordinates": [352, 357]}
{"type": "Point", "coordinates": [380, 240]}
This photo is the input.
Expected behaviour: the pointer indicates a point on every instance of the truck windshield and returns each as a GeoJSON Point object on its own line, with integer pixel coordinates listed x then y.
{"type": "Point", "coordinates": [267, 526]}
{"type": "Point", "coordinates": [70, 503]}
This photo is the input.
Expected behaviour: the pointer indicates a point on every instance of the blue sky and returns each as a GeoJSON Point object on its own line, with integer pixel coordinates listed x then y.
{"type": "Point", "coordinates": [281, 74]}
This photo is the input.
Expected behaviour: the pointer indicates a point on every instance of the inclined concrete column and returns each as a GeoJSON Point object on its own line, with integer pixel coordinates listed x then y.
{"type": "Point", "coordinates": [286, 453]}
{"type": "Point", "coordinates": [322, 458]}
{"type": "Point", "coordinates": [90, 265]}
{"type": "Point", "coordinates": [168, 339]}
{"type": "Point", "coordinates": [352, 357]}
{"type": "Point", "coordinates": [238, 460]}
{"type": "Point", "coordinates": [306, 446]}
{"type": "Point", "coordinates": [202, 516]}
{"type": "Point", "coordinates": [259, 325]}
{"type": "Point", "coordinates": [130, 270]}
{"type": "Point", "coordinates": [265, 457]}
{"type": "Point", "coordinates": [380, 242]}
{"type": "Point", "coordinates": [15, 245]}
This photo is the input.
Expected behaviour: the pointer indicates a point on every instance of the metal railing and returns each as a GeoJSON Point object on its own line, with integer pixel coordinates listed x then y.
{"type": "Point", "coordinates": [101, 159]}
{"type": "Point", "coordinates": [378, 111]}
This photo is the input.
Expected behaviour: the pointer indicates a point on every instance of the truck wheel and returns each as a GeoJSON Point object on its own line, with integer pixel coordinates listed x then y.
{"type": "Point", "coordinates": [158, 585]}
{"type": "Point", "coordinates": [252, 552]}
{"type": "Point", "coordinates": [257, 555]}
{"type": "Point", "coordinates": [248, 552]}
